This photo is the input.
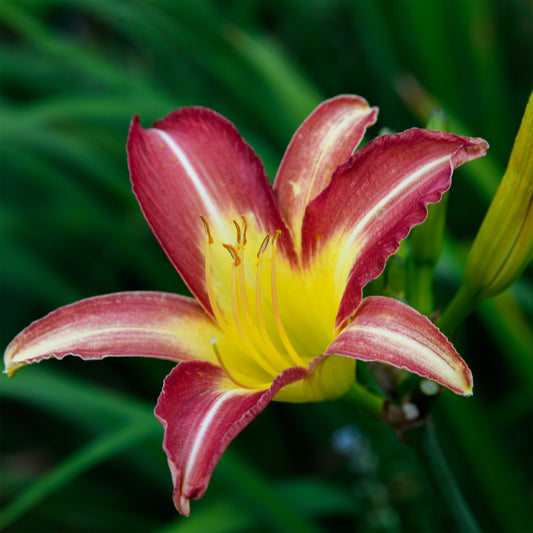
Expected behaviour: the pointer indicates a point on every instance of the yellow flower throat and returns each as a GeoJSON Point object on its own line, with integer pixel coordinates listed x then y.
{"type": "Point", "coordinates": [252, 332]}
{"type": "Point", "coordinates": [255, 345]}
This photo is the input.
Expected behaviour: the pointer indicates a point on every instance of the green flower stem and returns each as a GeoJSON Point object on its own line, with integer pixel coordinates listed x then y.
{"type": "Point", "coordinates": [425, 443]}
{"type": "Point", "coordinates": [365, 400]}
{"type": "Point", "coordinates": [456, 312]}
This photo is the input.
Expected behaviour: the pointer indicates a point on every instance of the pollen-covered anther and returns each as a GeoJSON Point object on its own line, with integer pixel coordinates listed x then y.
{"type": "Point", "coordinates": [234, 254]}
{"type": "Point", "coordinates": [244, 228]}
{"type": "Point", "coordinates": [210, 239]}
{"type": "Point", "coordinates": [239, 233]}
{"type": "Point", "coordinates": [263, 246]}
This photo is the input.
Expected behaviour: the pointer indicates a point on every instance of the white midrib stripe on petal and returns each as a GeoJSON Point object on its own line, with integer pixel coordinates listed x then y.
{"type": "Point", "coordinates": [50, 345]}
{"type": "Point", "coordinates": [358, 230]}
{"type": "Point", "coordinates": [408, 345]}
{"type": "Point", "coordinates": [338, 124]}
{"type": "Point", "coordinates": [196, 180]}
{"type": "Point", "coordinates": [202, 430]}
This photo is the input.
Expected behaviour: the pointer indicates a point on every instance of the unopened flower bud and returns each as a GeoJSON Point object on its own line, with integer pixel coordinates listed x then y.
{"type": "Point", "coordinates": [503, 246]}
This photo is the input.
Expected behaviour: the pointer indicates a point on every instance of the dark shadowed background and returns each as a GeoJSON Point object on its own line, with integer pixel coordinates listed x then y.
{"type": "Point", "coordinates": [81, 451]}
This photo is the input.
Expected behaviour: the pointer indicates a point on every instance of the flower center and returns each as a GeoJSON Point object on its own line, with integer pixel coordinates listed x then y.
{"type": "Point", "coordinates": [251, 320]}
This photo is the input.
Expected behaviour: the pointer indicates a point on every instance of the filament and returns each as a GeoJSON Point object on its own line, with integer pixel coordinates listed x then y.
{"type": "Point", "coordinates": [238, 295]}
{"type": "Point", "coordinates": [248, 333]}
{"type": "Point", "coordinates": [258, 293]}
{"type": "Point", "coordinates": [275, 307]}
{"type": "Point", "coordinates": [208, 278]}
{"type": "Point", "coordinates": [266, 337]}
{"type": "Point", "coordinates": [224, 367]}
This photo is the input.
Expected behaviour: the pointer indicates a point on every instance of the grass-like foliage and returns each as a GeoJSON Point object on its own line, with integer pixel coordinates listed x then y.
{"type": "Point", "coordinates": [81, 450]}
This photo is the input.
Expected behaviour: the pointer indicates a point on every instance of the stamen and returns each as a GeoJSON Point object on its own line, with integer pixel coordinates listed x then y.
{"type": "Point", "coordinates": [234, 254]}
{"type": "Point", "coordinates": [224, 367]}
{"type": "Point", "coordinates": [269, 350]}
{"type": "Point", "coordinates": [275, 307]}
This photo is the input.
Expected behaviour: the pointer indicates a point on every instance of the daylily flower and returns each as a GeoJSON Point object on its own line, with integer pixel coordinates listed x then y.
{"type": "Point", "coordinates": [276, 273]}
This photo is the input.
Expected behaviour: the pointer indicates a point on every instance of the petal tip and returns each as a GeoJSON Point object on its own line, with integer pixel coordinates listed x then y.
{"type": "Point", "coordinates": [10, 369]}
{"type": "Point", "coordinates": [135, 121]}
{"type": "Point", "coordinates": [462, 383]}
{"type": "Point", "coordinates": [477, 147]}
{"type": "Point", "coordinates": [469, 389]}
{"type": "Point", "coordinates": [9, 366]}
{"type": "Point", "coordinates": [182, 504]}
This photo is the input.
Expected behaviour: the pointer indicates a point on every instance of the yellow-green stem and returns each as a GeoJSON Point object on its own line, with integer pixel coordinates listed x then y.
{"type": "Point", "coordinates": [456, 312]}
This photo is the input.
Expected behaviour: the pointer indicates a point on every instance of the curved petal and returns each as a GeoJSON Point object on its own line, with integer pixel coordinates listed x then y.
{"type": "Point", "coordinates": [374, 200]}
{"type": "Point", "coordinates": [202, 411]}
{"type": "Point", "coordinates": [324, 141]}
{"type": "Point", "coordinates": [194, 163]}
{"type": "Point", "coordinates": [389, 331]}
{"type": "Point", "coordinates": [144, 324]}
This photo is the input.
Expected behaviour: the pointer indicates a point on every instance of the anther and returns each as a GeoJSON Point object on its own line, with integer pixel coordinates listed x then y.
{"type": "Point", "coordinates": [207, 230]}
{"type": "Point", "coordinates": [244, 228]}
{"type": "Point", "coordinates": [263, 246]}
{"type": "Point", "coordinates": [238, 232]}
{"type": "Point", "coordinates": [234, 254]}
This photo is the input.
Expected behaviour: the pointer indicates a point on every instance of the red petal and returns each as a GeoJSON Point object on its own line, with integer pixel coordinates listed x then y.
{"type": "Point", "coordinates": [145, 324]}
{"type": "Point", "coordinates": [194, 163]}
{"type": "Point", "coordinates": [324, 141]}
{"type": "Point", "coordinates": [375, 199]}
{"type": "Point", "coordinates": [389, 331]}
{"type": "Point", "coordinates": [202, 411]}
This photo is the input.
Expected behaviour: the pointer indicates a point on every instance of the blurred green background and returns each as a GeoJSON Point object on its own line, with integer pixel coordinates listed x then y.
{"type": "Point", "coordinates": [81, 451]}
